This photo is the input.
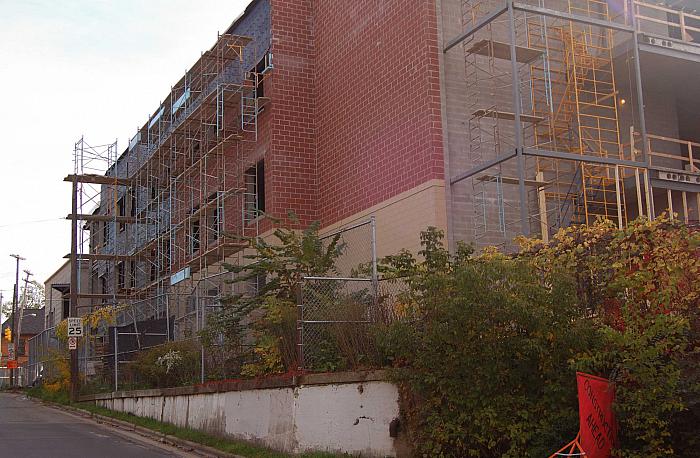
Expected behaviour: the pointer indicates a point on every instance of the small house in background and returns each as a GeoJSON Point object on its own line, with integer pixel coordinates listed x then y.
{"type": "Point", "coordinates": [32, 324]}
{"type": "Point", "coordinates": [57, 294]}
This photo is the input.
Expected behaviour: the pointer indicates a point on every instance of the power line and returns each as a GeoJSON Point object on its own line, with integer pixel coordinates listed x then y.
{"type": "Point", "coordinates": [36, 221]}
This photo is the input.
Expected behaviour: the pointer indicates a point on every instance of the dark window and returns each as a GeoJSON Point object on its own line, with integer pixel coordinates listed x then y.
{"type": "Point", "coordinates": [154, 193]}
{"type": "Point", "coordinates": [164, 256]}
{"type": "Point", "coordinates": [260, 170]}
{"type": "Point", "coordinates": [105, 233]}
{"type": "Point", "coordinates": [134, 202]}
{"type": "Point", "coordinates": [120, 275]}
{"type": "Point", "coordinates": [20, 347]}
{"type": "Point", "coordinates": [94, 227]}
{"type": "Point", "coordinates": [259, 69]}
{"type": "Point", "coordinates": [195, 235]}
{"type": "Point", "coordinates": [258, 283]}
{"type": "Point", "coordinates": [103, 286]}
{"type": "Point", "coordinates": [132, 274]}
{"type": "Point", "coordinates": [65, 301]}
{"type": "Point", "coordinates": [121, 211]}
{"type": "Point", "coordinates": [255, 189]}
{"type": "Point", "coordinates": [154, 265]}
{"type": "Point", "coordinates": [214, 223]}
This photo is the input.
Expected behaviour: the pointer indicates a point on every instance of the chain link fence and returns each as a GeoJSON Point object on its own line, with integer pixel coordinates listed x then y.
{"type": "Point", "coordinates": [45, 350]}
{"type": "Point", "coordinates": [341, 314]}
{"type": "Point", "coordinates": [338, 318]}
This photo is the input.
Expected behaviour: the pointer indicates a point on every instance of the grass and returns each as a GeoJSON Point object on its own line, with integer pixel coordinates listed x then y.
{"type": "Point", "coordinates": [226, 445]}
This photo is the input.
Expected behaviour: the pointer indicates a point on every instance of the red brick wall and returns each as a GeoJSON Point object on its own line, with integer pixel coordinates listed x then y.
{"type": "Point", "coordinates": [290, 163]}
{"type": "Point", "coordinates": [356, 104]}
{"type": "Point", "coordinates": [378, 101]}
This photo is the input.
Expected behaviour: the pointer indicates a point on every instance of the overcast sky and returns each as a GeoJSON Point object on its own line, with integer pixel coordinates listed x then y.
{"type": "Point", "coordinates": [69, 68]}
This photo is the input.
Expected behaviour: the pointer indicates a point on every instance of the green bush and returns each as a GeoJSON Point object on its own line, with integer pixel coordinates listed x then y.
{"type": "Point", "coordinates": [483, 363]}
{"type": "Point", "coordinates": [486, 359]}
{"type": "Point", "coordinates": [167, 365]}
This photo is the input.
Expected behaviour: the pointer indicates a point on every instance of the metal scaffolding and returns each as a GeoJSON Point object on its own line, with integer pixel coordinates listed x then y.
{"type": "Point", "coordinates": [542, 118]}
{"type": "Point", "coordinates": [157, 222]}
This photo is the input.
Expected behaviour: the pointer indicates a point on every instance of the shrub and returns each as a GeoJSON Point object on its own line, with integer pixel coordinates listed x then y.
{"type": "Point", "coordinates": [267, 317]}
{"type": "Point", "coordinates": [486, 360]}
{"type": "Point", "coordinates": [167, 365]}
{"type": "Point", "coordinates": [482, 364]}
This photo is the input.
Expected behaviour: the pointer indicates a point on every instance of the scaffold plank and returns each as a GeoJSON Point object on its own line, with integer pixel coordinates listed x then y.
{"type": "Point", "coordinates": [106, 257]}
{"type": "Point", "coordinates": [506, 115]}
{"type": "Point", "coordinates": [98, 179]}
{"type": "Point", "coordinates": [105, 218]}
{"type": "Point", "coordinates": [501, 50]}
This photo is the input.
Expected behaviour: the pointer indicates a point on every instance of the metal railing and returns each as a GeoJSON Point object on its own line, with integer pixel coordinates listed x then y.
{"type": "Point", "coordinates": [661, 20]}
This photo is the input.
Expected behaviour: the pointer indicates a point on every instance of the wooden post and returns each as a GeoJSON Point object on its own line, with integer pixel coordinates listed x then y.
{"type": "Point", "coordinates": [648, 190]}
{"type": "Point", "coordinates": [640, 211]}
{"type": "Point", "coordinates": [690, 156]}
{"type": "Point", "coordinates": [74, 287]}
{"type": "Point", "coordinates": [681, 21]}
{"type": "Point", "coordinates": [685, 207]}
{"type": "Point", "coordinates": [669, 196]}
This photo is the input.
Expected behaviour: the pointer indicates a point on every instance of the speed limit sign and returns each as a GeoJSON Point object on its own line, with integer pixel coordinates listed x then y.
{"type": "Point", "coordinates": [75, 327]}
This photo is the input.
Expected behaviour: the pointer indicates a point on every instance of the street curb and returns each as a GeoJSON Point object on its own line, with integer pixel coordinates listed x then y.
{"type": "Point", "coordinates": [186, 445]}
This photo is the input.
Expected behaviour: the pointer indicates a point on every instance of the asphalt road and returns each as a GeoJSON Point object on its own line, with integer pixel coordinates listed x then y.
{"type": "Point", "coordinates": [29, 429]}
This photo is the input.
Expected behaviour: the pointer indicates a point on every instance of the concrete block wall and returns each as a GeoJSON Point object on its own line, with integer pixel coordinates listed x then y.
{"type": "Point", "coordinates": [342, 413]}
{"type": "Point", "coordinates": [462, 97]}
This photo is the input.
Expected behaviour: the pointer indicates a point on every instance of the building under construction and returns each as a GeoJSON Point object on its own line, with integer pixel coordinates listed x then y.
{"type": "Point", "coordinates": [487, 118]}
{"type": "Point", "coordinates": [561, 112]}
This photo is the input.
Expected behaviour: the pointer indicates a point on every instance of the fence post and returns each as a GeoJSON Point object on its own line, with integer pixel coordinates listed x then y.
{"type": "Point", "coordinates": [300, 326]}
{"type": "Point", "coordinates": [167, 318]}
{"type": "Point", "coordinates": [375, 279]}
{"type": "Point", "coordinates": [199, 325]}
{"type": "Point", "coordinates": [116, 361]}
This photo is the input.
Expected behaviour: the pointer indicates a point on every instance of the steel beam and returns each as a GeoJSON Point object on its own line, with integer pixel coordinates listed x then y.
{"type": "Point", "coordinates": [518, 111]}
{"type": "Point", "coordinates": [480, 168]}
{"type": "Point", "coordinates": [483, 22]}
{"type": "Point", "coordinates": [640, 106]}
{"type": "Point", "coordinates": [581, 157]}
{"type": "Point", "coordinates": [571, 17]}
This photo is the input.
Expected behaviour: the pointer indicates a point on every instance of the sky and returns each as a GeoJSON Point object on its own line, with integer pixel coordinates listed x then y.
{"type": "Point", "coordinates": [72, 68]}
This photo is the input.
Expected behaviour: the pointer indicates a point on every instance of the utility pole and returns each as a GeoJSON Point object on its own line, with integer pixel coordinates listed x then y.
{"type": "Point", "coordinates": [74, 286]}
{"type": "Point", "coordinates": [1, 304]}
{"type": "Point", "coordinates": [21, 313]}
{"type": "Point", "coordinates": [18, 258]}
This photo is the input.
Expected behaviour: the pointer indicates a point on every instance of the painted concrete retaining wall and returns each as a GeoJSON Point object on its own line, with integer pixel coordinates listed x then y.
{"type": "Point", "coordinates": [348, 412]}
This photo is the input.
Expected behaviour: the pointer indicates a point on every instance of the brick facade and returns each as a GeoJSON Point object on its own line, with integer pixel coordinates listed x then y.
{"type": "Point", "coordinates": [355, 94]}
{"type": "Point", "coordinates": [291, 173]}
{"type": "Point", "coordinates": [378, 102]}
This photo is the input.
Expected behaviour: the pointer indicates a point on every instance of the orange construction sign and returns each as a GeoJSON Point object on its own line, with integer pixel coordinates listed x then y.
{"type": "Point", "coordinates": [597, 428]}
